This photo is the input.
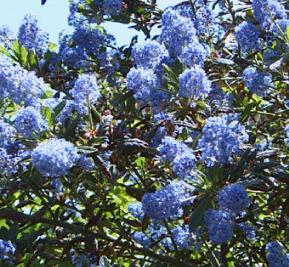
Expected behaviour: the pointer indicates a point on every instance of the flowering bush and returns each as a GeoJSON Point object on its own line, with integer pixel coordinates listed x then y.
{"type": "Point", "coordinates": [172, 151]}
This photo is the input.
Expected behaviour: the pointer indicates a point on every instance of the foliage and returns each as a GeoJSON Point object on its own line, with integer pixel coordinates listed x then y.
{"type": "Point", "coordinates": [168, 152]}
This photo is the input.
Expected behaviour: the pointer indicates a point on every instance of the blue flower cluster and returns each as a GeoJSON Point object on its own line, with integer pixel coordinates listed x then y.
{"type": "Point", "coordinates": [220, 225]}
{"type": "Point", "coordinates": [165, 203]}
{"type": "Point", "coordinates": [31, 36]}
{"type": "Point", "coordinates": [111, 7]}
{"type": "Point", "coordinates": [29, 122]}
{"type": "Point", "coordinates": [266, 10]}
{"type": "Point", "coordinates": [84, 92]}
{"type": "Point", "coordinates": [247, 36]}
{"type": "Point", "coordinates": [221, 139]}
{"type": "Point", "coordinates": [276, 255]}
{"type": "Point", "coordinates": [142, 239]}
{"type": "Point", "coordinates": [11, 151]}
{"type": "Point", "coordinates": [136, 210]}
{"type": "Point", "coordinates": [194, 83]}
{"type": "Point", "coordinates": [182, 236]}
{"type": "Point", "coordinates": [19, 84]}
{"type": "Point", "coordinates": [6, 37]}
{"type": "Point", "coordinates": [7, 249]}
{"type": "Point", "coordinates": [90, 38]}
{"type": "Point", "coordinates": [233, 198]}
{"type": "Point", "coordinates": [170, 148]}
{"type": "Point", "coordinates": [194, 54]}
{"type": "Point", "coordinates": [54, 157]}
{"type": "Point", "coordinates": [184, 164]}
{"type": "Point", "coordinates": [149, 54]}
{"type": "Point", "coordinates": [142, 82]}
{"type": "Point", "coordinates": [257, 82]}
{"type": "Point", "coordinates": [177, 31]}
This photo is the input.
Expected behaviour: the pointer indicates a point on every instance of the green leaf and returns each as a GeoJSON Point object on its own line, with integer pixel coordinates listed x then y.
{"type": "Point", "coordinates": [197, 216]}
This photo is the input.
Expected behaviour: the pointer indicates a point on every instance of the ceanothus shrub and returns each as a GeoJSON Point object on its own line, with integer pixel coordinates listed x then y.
{"type": "Point", "coordinates": [168, 151]}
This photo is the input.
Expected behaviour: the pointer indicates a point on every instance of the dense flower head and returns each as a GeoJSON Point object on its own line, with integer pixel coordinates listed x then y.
{"type": "Point", "coordinates": [136, 210]}
{"type": "Point", "coordinates": [194, 54]}
{"type": "Point", "coordinates": [220, 226]}
{"type": "Point", "coordinates": [29, 122]}
{"type": "Point", "coordinates": [141, 82]}
{"type": "Point", "coordinates": [182, 236]}
{"type": "Point", "coordinates": [258, 82]}
{"type": "Point", "coordinates": [247, 36]}
{"type": "Point", "coordinates": [7, 249]}
{"type": "Point", "coordinates": [6, 37]}
{"type": "Point", "coordinates": [177, 31]}
{"type": "Point", "coordinates": [74, 57]}
{"type": "Point", "coordinates": [279, 26]}
{"type": "Point", "coordinates": [85, 90]}
{"type": "Point", "coordinates": [54, 157]}
{"type": "Point", "coordinates": [184, 164]}
{"type": "Point", "coordinates": [276, 255]}
{"type": "Point", "coordinates": [265, 10]}
{"type": "Point", "coordinates": [248, 230]}
{"type": "Point", "coordinates": [10, 76]}
{"type": "Point", "coordinates": [31, 36]}
{"type": "Point", "coordinates": [149, 54]}
{"type": "Point", "coordinates": [204, 19]}
{"type": "Point", "coordinates": [218, 98]}
{"type": "Point", "coordinates": [194, 83]}
{"type": "Point", "coordinates": [18, 84]}
{"type": "Point", "coordinates": [7, 133]}
{"type": "Point", "coordinates": [90, 38]}
{"type": "Point", "coordinates": [165, 203]}
{"type": "Point", "coordinates": [86, 163]}
{"type": "Point", "coordinates": [221, 139]}
{"type": "Point", "coordinates": [234, 198]}
{"type": "Point", "coordinates": [170, 148]}
{"type": "Point", "coordinates": [111, 7]}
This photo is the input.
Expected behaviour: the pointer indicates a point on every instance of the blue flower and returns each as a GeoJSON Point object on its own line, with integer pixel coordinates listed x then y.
{"type": "Point", "coordinates": [141, 82]}
{"type": "Point", "coordinates": [177, 31]}
{"type": "Point", "coordinates": [286, 135]}
{"type": "Point", "coordinates": [85, 90]}
{"type": "Point", "coordinates": [149, 54]}
{"type": "Point", "coordinates": [6, 37]}
{"type": "Point", "coordinates": [247, 36]}
{"type": "Point", "coordinates": [265, 10]}
{"type": "Point", "coordinates": [233, 198]}
{"type": "Point", "coordinates": [257, 82]}
{"type": "Point", "coordinates": [136, 210]}
{"type": "Point", "coordinates": [194, 54]}
{"type": "Point", "coordinates": [29, 122]}
{"type": "Point", "coordinates": [86, 163]}
{"type": "Point", "coordinates": [221, 139]}
{"type": "Point", "coordinates": [111, 7]}
{"type": "Point", "coordinates": [170, 148]}
{"type": "Point", "coordinates": [7, 134]}
{"type": "Point", "coordinates": [194, 83]}
{"type": "Point", "coordinates": [276, 255]}
{"type": "Point", "coordinates": [165, 203]}
{"type": "Point", "coordinates": [142, 239]}
{"type": "Point", "coordinates": [7, 249]}
{"type": "Point", "coordinates": [184, 164]}
{"type": "Point", "coordinates": [220, 225]}
{"type": "Point", "coordinates": [54, 157]}
{"type": "Point", "coordinates": [182, 236]}
{"type": "Point", "coordinates": [31, 36]}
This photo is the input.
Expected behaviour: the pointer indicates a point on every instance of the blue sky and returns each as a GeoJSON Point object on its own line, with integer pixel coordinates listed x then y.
{"type": "Point", "coordinates": [53, 17]}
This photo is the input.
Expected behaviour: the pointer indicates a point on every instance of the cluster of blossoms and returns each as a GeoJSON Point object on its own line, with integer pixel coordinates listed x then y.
{"type": "Point", "coordinates": [31, 36]}
{"type": "Point", "coordinates": [257, 82]}
{"type": "Point", "coordinates": [276, 255]}
{"type": "Point", "coordinates": [177, 149]}
{"type": "Point", "coordinates": [54, 158]}
{"type": "Point", "coordinates": [7, 250]}
{"type": "Point", "coordinates": [222, 138]}
{"type": "Point", "coordinates": [19, 84]}
{"type": "Point", "coordinates": [232, 200]}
